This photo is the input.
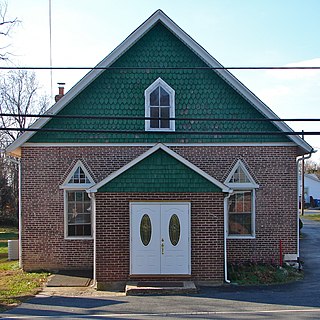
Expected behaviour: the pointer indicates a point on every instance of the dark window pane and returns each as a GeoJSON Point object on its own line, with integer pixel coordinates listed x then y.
{"type": "Point", "coordinates": [165, 123]}
{"type": "Point", "coordinates": [154, 97]}
{"type": "Point", "coordinates": [87, 207]}
{"type": "Point", "coordinates": [86, 196]}
{"type": "Point", "coordinates": [71, 230]}
{"type": "Point", "coordinates": [232, 204]}
{"type": "Point", "coordinates": [87, 230]}
{"type": "Point", "coordinates": [240, 223]}
{"type": "Point", "coordinates": [71, 218]}
{"type": "Point", "coordinates": [79, 230]}
{"type": "Point", "coordinates": [80, 218]}
{"type": "Point", "coordinates": [154, 113]}
{"type": "Point", "coordinates": [71, 196]}
{"type": "Point", "coordinates": [79, 207]}
{"type": "Point", "coordinates": [164, 98]}
{"type": "Point", "coordinates": [87, 218]}
{"type": "Point", "coordinates": [71, 207]}
{"type": "Point", "coordinates": [79, 196]}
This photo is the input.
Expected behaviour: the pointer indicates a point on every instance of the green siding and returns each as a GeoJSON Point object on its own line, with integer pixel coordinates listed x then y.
{"type": "Point", "coordinates": [159, 172]}
{"type": "Point", "coordinates": [199, 94]}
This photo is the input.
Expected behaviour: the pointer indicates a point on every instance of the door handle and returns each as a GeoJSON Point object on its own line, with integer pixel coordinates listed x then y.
{"type": "Point", "coordinates": [162, 246]}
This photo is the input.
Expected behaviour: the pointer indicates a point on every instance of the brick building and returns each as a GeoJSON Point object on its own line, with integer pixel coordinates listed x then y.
{"type": "Point", "coordinates": [147, 184]}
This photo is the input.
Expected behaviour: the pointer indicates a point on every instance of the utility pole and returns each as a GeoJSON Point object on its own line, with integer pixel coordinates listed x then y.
{"type": "Point", "coordinates": [302, 186]}
{"type": "Point", "coordinates": [302, 182]}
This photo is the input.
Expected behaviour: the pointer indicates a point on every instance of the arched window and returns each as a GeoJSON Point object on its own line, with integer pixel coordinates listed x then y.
{"type": "Point", "coordinates": [159, 105]}
{"type": "Point", "coordinates": [241, 204]}
{"type": "Point", "coordinates": [77, 204]}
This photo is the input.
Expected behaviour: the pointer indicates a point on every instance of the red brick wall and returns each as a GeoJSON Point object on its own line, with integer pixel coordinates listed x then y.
{"type": "Point", "coordinates": [113, 242]}
{"type": "Point", "coordinates": [45, 168]}
{"type": "Point", "coordinates": [274, 169]}
{"type": "Point", "coordinates": [43, 171]}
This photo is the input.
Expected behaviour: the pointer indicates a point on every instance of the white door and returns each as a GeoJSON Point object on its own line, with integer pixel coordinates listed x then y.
{"type": "Point", "coordinates": [160, 238]}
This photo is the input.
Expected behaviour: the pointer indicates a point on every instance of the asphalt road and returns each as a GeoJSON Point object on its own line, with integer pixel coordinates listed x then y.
{"type": "Point", "coordinates": [298, 300]}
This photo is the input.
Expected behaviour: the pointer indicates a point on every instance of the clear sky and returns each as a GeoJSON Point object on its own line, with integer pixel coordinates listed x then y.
{"type": "Point", "coordinates": [235, 32]}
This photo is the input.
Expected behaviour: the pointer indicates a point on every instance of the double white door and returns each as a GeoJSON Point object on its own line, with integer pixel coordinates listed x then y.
{"type": "Point", "coordinates": [160, 238]}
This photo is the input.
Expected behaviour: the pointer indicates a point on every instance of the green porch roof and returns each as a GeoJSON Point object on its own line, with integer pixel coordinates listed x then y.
{"type": "Point", "coordinates": [120, 92]}
{"type": "Point", "coordinates": [159, 172]}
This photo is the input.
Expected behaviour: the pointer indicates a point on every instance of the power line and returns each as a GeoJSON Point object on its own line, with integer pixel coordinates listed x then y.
{"type": "Point", "coordinates": [157, 118]}
{"type": "Point", "coordinates": [157, 68]}
{"type": "Point", "coordinates": [212, 133]}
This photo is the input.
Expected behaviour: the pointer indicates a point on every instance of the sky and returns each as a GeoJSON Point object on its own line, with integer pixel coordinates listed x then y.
{"type": "Point", "coordinates": [238, 33]}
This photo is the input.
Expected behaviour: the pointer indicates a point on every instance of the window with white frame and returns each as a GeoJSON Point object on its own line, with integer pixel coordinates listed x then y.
{"type": "Point", "coordinates": [77, 204]}
{"type": "Point", "coordinates": [160, 106]}
{"type": "Point", "coordinates": [78, 213]}
{"type": "Point", "coordinates": [241, 213]}
{"type": "Point", "coordinates": [241, 203]}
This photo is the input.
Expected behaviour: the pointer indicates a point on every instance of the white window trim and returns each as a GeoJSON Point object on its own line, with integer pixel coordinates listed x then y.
{"type": "Point", "coordinates": [241, 187]}
{"type": "Point", "coordinates": [66, 237]}
{"type": "Point", "coordinates": [66, 186]}
{"type": "Point", "coordinates": [253, 218]}
{"type": "Point", "coordinates": [147, 92]}
{"type": "Point", "coordinates": [251, 185]}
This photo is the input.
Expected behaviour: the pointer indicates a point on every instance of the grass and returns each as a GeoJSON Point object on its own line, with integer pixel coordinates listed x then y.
{"type": "Point", "coordinates": [6, 233]}
{"type": "Point", "coordinates": [15, 284]}
{"type": "Point", "coordinates": [260, 273]}
{"type": "Point", "coordinates": [314, 217]}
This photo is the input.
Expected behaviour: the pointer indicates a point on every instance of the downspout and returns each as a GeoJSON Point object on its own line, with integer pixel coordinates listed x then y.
{"type": "Point", "coordinates": [93, 208]}
{"type": "Point", "coordinates": [302, 195]}
{"type": "Point", "coordinates": [20, 213]}
{"type": "Point", "coordinates": [225, 233]}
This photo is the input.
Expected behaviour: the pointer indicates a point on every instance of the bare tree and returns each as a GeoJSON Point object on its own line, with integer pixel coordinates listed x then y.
{"type": "Point", "coordinates": [19, 96]}
{"type": "Point", "coordinates": [312, 166]}
{"type": "Point", "coordinates": [6, 26]}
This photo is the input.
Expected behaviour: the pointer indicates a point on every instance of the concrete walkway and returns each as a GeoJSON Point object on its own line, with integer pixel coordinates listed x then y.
{"type": "Point", "coordinates": [299, 300]}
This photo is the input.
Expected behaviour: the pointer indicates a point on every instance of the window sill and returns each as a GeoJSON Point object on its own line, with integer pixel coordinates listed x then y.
{"type": "Point", "coordinates": [79, 238]}
{"type": "Point", "coordinates": [159, 130]}
{"type": "Point", "coordinates": [241, 237]}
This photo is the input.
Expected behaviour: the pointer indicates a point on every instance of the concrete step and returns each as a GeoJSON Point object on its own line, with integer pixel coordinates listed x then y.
{"type": "Point", "coordinates": [160, 287]}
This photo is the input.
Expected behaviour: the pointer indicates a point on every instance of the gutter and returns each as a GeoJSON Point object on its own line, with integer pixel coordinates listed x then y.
{"type": "Point", "coordinates": [225, 233]}
{"type": "Point", "coordinates": [93, 210]}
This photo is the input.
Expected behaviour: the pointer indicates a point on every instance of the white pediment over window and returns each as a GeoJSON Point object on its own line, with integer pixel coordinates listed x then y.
{"type": "Point", "coordinates": [79, 177]}
{"type": "Point", "coordinates": [160, 106]}
{"type": "Point", "coordinates": [240, 178]}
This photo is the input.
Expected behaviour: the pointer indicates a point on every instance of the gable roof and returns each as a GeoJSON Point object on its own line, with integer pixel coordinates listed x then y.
{"type": "Point", "coordinates": [148, 153]}
{"type": "Point", "coordinates": [158, 16]}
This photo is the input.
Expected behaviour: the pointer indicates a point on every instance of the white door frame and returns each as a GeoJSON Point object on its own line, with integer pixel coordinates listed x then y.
{"type": "Point", "coordinates": [163, 203]}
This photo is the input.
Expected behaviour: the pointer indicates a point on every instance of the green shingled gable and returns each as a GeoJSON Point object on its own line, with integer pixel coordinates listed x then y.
{"type": "Point", "coordinates": [199, 94]}
{"type": "Point", "coordinates": [159, 172]}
